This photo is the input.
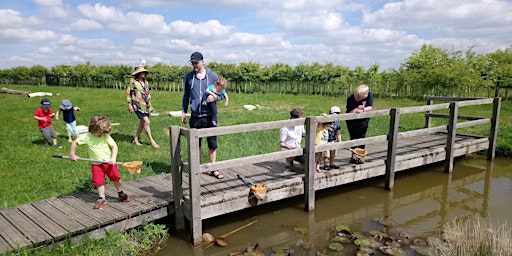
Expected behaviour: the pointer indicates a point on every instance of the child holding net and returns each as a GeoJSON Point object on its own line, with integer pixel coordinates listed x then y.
{"type": "Point", "coordinates": [99, 144]}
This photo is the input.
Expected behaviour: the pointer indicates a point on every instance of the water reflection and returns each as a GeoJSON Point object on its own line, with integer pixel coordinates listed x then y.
{"type": "Point", "coordinates": [422, 200]}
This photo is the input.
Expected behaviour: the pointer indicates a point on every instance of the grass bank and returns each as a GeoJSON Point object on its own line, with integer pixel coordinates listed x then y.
{"type": "Point", "coordinates": [146, 239]}
{"type": "Point", "coordinates": [30, 173]}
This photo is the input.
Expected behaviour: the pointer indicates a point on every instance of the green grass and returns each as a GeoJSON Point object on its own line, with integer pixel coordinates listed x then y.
{"type": "Point", "coordinates": [30, 173]}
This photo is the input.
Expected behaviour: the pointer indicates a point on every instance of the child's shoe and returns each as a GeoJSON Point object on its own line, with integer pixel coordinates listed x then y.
{"type": "Point", "coordinates": [99, 204]}
{"type": "Point", "coordinates": [57, 146]}
{"type": "Point", "coordinates": [123, 197]}
{"type": "Point", "coordinates": [214, 123]}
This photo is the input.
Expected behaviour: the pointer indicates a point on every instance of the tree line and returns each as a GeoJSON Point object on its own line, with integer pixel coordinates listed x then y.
{"type": "Point", "coordinates": [427, 71]}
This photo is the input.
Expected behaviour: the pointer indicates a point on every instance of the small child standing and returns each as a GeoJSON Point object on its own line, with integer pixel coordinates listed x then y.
{"type": "Point", "coordinates": [99, 142]}
{"type": "Point", "coordinates": [44, 116]}
{"type": "Point", "coordinates": [68, 115]}
{"type": "Point", "coordinates": [322, 135]}
{"type": "Point", "coordinates": [216, 89]}
{"type": "Point", "coordinates": [334, 136]}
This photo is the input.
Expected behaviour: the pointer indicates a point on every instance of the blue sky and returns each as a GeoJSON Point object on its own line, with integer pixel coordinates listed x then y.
{"type": "Point", "coordinates": [342, 32]}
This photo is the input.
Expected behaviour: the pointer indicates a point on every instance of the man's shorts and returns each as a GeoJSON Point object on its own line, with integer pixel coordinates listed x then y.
{"type": "Point", "coordinates": [99, 171]}
{"type": "Point", "coordinates": [204, 122]}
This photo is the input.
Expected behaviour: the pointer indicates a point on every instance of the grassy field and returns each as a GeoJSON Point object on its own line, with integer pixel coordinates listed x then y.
{"type": "Point", "coordinates": [30, 173]}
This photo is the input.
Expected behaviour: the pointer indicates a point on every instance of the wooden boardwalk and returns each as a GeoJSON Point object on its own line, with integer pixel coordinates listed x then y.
{"type": "Point", "coordinates": [54, 219]}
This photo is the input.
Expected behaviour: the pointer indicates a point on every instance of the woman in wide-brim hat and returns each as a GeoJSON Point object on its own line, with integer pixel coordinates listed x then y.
{"type": "Point", "coordinates": [138, 98]}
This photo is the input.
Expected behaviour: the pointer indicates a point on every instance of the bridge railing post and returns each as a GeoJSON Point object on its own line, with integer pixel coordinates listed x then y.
{"type": "Point", "coordinates": [491, 152]}
{"type": "Point", "coordinates": [177, 178]}
{"type": "Point", "coordinates": [309, 165]}
{"type": "Point", "coordinates": [427, 113]}
{"type": "Point", "coordinates": [450, 138]}
{"type": "Point", "coordinates": [392, 144]}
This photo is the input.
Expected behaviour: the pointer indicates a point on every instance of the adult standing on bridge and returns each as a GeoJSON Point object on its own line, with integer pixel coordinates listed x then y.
{"type": "Point", "coordinates": [195, 84]}
{"type": "Point", "coordinates": [359, 101]}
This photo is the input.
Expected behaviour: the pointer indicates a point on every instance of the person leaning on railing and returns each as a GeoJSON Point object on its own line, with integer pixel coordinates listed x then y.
{"type": "Point", "coordinates": [359, 101]}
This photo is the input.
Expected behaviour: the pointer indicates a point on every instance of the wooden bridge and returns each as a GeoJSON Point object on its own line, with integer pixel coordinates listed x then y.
{"type": "Point", "coordinates": [190, 194]}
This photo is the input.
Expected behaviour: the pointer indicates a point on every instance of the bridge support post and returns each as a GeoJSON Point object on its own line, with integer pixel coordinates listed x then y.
{"type": "Point", "coordinates": [177, 178]}
{"type": "Point", "coordinates": [392, 143]}
{"type": "Point", "coordinates": [491, 152]}
{"type": "Point", "coordinates": [196, 224]}
{"type": "Point", "coordinates": [450, 138]}
{"type": "Point", "coordinates": [309, 165]}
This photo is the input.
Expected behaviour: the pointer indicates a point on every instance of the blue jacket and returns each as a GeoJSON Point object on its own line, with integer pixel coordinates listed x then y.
{"type": "Point", "coordinates": [194, 91]}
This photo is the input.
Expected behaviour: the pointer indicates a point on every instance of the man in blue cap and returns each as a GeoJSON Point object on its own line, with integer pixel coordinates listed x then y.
{"type": "Point", "coordinates": [196, 82]}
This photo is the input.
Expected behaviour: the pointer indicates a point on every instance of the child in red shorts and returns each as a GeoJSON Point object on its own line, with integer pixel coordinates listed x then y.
{"type": "Point", "coordinates": [99, 142]}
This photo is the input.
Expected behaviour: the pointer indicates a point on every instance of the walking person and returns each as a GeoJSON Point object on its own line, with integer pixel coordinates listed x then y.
{"type": "Point", "coordinates": [44, 116]}
{"type": "Point", "coordinates": [196, 83]}
{"type": "Point", "coordinates": [68, 115]}
{"type": "Point", "coordinates": [359, 101]}
{"type": "Point", "coordinates": [139, 102]}
{"type": "Point", "coordinates": [99, 144]}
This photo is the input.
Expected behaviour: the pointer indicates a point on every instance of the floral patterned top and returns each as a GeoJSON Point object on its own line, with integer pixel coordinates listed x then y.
{"type": "Point", "coordinates": [137, 93]}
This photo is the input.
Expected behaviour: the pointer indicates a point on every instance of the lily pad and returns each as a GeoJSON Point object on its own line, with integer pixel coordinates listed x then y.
{"type": "Point", "coordinates": [366, 242]}
{"type": "Point", "coordinates": [422, 250]}
{"type": "Point", "coordinates": [343, 239]}
{"type": "Point", "coordinates": [387, 221]}
{"type": "Point", "coordinates": [340, 228]}
{"type": "Point", "coordinates": [302, 230]}
{"type": "Point", "coordinates": [336, 247]}
{"type": "Point", "coordinates": [392, 250]}
{"type": "Point", "coordinates": [281, 249]}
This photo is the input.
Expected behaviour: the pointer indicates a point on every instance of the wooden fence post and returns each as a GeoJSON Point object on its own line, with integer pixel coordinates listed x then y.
{"type": "Point", "coordinates": [450, 138]}
{"type": "Point", "coordinates": [309, 165]}
{"type": "Point", "coordinates": [195, 187]}
{"type": "Point", "coordinates": [177, 178]}
{"type": "Point", "coordinates": [491, 152]}
{"type": "Point", "coordinates": [394, 122]}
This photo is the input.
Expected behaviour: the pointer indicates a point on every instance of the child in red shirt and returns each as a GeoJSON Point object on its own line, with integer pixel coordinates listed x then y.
{"type": "Point", "coordinates": [44, 116]}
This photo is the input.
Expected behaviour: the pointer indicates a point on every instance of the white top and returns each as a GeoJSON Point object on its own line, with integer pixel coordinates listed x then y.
{"type": "Point", "coordinates": [291, 135]}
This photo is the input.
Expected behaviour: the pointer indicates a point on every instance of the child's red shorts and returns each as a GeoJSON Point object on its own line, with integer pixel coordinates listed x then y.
{"type": "Point", "coordinates": [99, 171]}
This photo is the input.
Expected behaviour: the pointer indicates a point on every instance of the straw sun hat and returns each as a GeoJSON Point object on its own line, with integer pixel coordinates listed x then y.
{"type": "Point", "coordinates": [138, 69]}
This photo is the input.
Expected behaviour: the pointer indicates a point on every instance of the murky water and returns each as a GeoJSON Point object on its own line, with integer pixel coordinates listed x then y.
{"type": "Point", "coordinates": [422, 200]}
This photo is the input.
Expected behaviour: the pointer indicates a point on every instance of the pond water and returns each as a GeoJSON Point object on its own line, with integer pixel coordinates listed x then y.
{"type": "Point", "coordinates": [421, 201]}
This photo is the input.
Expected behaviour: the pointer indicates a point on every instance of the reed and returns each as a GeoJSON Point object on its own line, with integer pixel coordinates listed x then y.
{"type": "Point", "coordinates": [475, 237]}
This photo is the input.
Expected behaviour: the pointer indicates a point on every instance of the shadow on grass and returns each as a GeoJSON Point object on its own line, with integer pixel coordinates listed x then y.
{"type": "Point", "coordinates": [159, 167]}
{"type": "Point", "coordinates": [118, 137]}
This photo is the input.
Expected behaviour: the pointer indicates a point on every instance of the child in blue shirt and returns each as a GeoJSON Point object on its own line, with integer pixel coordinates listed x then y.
{"type": "Point", "coordinates": [217, 89]}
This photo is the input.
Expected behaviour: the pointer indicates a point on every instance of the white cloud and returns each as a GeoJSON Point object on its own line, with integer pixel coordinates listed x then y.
{"type": "Point", "coordinates": [27, 35]}
{"type": "Point", "coordinates": [46, 50]}
{"type": "Point", "coordinates": [49, 2]}
{"type": "Point", "coordinates": [14, 19]}
{"type": "Point", "coordinates": [84, 25]}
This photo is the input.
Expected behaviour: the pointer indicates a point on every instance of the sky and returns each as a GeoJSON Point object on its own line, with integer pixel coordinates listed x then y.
{"type": "Point", "coordinates": [342, 32]}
